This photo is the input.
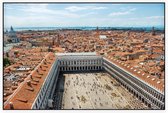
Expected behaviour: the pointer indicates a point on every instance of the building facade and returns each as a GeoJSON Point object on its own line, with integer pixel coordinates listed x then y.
{"type": "Point", "coordinates": [12, 36]}
{"type": "Point", "coordinates": [67, 62]}
{"type": "Point", "coordinates": [90, 62]}
{"type": "Point", "coordinates": [149, 95]}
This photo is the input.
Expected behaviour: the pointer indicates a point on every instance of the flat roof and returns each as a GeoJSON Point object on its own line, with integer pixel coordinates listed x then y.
{"type": "Point", "coordinates": [77, 54]}
{"type": "Point", "coordinates": [102, 36]}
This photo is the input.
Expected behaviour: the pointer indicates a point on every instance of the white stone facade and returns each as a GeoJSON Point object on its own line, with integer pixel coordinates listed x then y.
{"type": "Point", "coordinates": [91, 62]}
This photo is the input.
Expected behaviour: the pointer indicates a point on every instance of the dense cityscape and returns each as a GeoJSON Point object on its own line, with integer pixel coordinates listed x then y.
{"type": "Point", "coordinates": [139, 52]}
{"type": "Point", "coordinates": [89, 56]}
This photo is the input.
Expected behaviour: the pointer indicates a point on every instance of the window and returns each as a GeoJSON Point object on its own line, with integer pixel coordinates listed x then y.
{"type": "Point", "coordinates": [42, 94]}
{"type": "Point", "coordinates": [36, 105]}
{"type": "Point", "coordinates": [38, 101]}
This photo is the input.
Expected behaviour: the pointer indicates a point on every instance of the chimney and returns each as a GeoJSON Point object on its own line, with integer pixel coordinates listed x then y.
{"type": "Point", "coordinates": [29, 83]}
{"type": "Point", "coordinates": [31, 77]}
{"type": "Point", "coordinates": [37, 71]}
{"type": "Point", "coordinates": [11, 105]}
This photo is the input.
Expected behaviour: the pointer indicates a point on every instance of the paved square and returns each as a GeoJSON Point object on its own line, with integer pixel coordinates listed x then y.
{"type": "Point", "coordinates": [97, 91]}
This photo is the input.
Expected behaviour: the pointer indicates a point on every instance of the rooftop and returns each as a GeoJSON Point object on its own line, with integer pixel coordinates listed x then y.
{"type": "Point", "coordinates": [27, 92]}
{"type": "Point", "coordinates": [77, 54]}
{"type": "Point", "coordinates": [151, 80]}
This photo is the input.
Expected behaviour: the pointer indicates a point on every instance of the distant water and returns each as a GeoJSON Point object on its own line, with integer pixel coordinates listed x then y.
{"type": "Point", "coordinates": [83, 28]}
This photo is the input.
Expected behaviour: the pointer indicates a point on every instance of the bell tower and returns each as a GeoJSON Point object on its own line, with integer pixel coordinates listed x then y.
{"type": "Point", "coordinates": [153, 31]}
{"type": "Point", "coordinates": [97, 32]}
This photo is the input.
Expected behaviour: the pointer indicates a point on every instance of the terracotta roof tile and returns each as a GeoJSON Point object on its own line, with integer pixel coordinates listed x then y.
{"type": "Point", "coordinates": [145, 77]}
{"type": "Point", "coordinates": [27, 92]}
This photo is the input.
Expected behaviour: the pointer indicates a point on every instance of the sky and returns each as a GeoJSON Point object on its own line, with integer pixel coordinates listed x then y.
{"type": "Point", "coordinates": [77, 15]}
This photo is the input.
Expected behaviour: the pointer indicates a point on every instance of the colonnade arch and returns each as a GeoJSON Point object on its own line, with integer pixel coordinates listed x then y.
{"type": "Point", "coordinates": [77, 63]}
{"type": "Point", "coordinates": [151, 99]}
{"type": "Point", "coordinates": [146, 94]}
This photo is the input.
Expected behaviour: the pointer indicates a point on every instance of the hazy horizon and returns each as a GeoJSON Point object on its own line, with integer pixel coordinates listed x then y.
{"type": "Point", "coordinates": [82, 14]}
{"type": "Point", "coordinates": [81, 27]}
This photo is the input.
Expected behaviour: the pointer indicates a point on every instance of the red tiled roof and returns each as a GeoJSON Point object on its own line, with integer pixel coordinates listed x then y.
{"type": "Point", "coordinates": [25, 95]}
{"type": "Point", "coordinates": [153, 81]}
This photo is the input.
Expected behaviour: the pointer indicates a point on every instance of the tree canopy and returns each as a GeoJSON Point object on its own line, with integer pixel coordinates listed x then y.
{"type": "Point", "coordinates": [6, 62]}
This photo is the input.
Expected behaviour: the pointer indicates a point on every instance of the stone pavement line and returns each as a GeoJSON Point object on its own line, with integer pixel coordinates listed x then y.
{"type": "Point", "coordinates": [94, 82]}
{"type": "Point", "coordinates": [64, 94]}
{"type": "Point", "coordinates": [67, 96]}
{"type": "Point", "coordinates": [79, 103]}
{"type": "Point", "coordinates": [122, 96]}
{"type": "Point", "coordinates": [98, 81]}
{"type": "Point", "coordinates": [68, 93]}
{"type": "Point", "coordinates": [87, 94]}
{"type": "Point", "coordinates": [101, 88]}
{"type": "Point", "coordinates": [127, 94]}
{"type": "Point", "coordinates": [74, 90]}
{"type": "Point", "coordinates": [130, 93]}
{"type": "Point", "coordinates": [86, 90]}
{"type": "Point", "coordinates": [63, 97]}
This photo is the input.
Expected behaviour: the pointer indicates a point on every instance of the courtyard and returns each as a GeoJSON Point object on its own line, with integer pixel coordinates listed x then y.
{"type": "Point", "coordinates": [97, 91]}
